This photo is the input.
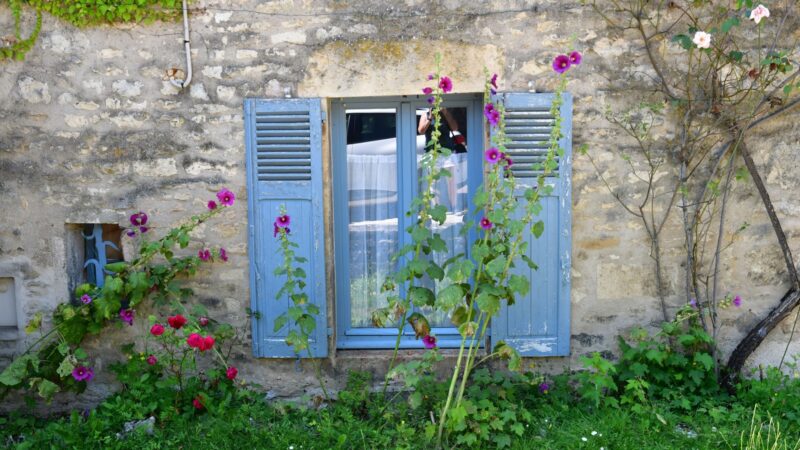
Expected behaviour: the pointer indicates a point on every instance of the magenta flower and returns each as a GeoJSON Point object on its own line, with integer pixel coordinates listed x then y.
{"type": "Point", "coordinates": [143, 229]}
{"type": "Point", "coordinates": [131, 233]}
{"type": "Point", "coordinates": [492, 155]}
{"type": "Point", "coordinates": [446, 84]}
{"type": "Point", "coordinates": [212, 205]}
{"type": "Point", "coordinates": [152, 360]}
{"type": "Point", "coordinates": [493, 81]}
{"type": "Point", "coordinates": [429, 100]}
{"type": "Point", "coordinates": [82, 373]}
{"type": "Point", "coordinates": [138, 219]}
{"type": "Point", "coordinates": [427, 91]}
{"type": "Point", "coordinates": [544, 388]}
{"type": "Point", "coordinates": [223, 254]}
{"type": "Point", "coordinates": [737, 301]}
{"type": "Point", "coordinates": [561, 63]}
{"type": "Point", "coordinates": [126, 315]}
{"type": "Point", "coordinates": [492, 114]}
{"type": "Point", "coordinates": [85, 299]}
{"type": "Point", "coordinates": [226, 197]}
{"type": "Point", "coordinates": [204, 254]}
{"type": "Point", "coordinates": [486, 224]}
{"type": "Point", "coordinates": [429, 341]}
{"type": "Point", "coordinates": [575, 58]}
{"type": "Point", "coordinates": [283, 221]}
{"type": "Point", "coordinates": [505, 158]}
{"type": "Point", "coordinates": [430, 76]}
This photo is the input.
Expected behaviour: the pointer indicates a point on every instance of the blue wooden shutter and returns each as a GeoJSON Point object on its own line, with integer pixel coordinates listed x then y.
{"type": "Point", "coordinates": [284, 167]}
{"type": "Point", "coordinates": [538, 324]}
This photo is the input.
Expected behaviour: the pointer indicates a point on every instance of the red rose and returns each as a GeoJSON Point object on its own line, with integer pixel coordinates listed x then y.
{"type": "Point", "coordinates": [231, 372]}
{"type": "Point", "coordinates": [157, 329]}
{"type": "Point", "coordinates": [195, 340]}
{"type": "Point", "coordinates": [203, 321]}
{"type": "Point", "coordinates": [177, 321]}
{"type": "Point", "coordinates": [197, 402]}
{"type": "Point", "coordinates": [207, 343]}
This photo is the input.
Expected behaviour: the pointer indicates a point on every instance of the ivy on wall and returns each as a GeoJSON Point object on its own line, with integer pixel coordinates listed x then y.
{"type": "Point", "coordinates": [83, 13]}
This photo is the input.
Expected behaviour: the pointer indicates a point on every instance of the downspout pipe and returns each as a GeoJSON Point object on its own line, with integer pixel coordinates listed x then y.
{"type": "Point", "coordinates": [187, 47]}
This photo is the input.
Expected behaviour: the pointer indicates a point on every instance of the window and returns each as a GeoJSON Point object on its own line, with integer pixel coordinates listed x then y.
{"type": "Point", "coordinates": [8, 307]}
{"type": "Point", "coordinates": [375, 146]}
{"type": "Point", "coordinates": [101, 247]}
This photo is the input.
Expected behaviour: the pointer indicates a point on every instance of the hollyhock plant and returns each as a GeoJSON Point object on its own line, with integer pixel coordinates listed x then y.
{"type": "Point", "coordinates": [561, 63]}
{"type": "Point", "coordinates": [702, 39]}
{"type": "Point", "coordinates": [575, 58]}
{"type": "Point", "coordinates": [143, 229]}
{"type": "Point", "coordinates": [430, 100]}
{"type": "Point", "coordinates": [492, 114]}
{"type": "Point", "coordinates": [429, 341]}
{"type": "Point", "coordinates": [204, 254]}
{"type": "Point", "coordinates": [758, 13]}
{"type": "Point", "coordinates": [177, 321]}
{"type": "Point", "coordinates": [207, 344]}
{"type": "Point", "coordinates": [492, 155]}
{"type": "Point", "coordinates": [157, 329]}
{"type": "Point", "coordinates": [85, 299]}
{"type": "Point", "coordinates": [82, 373]}
{"type": "Point", "coordinates": [212, 205]}
{"type": "Point", "coordinates": [194, 340]}
{"type": "Point", "coordinates": [445, 84]}
{"type": "Point", "coordinates": [152, 360]}
{"type": "Point", "coordinates": [126, 315]}
{"type": "Point", "coordinates": [223, 254]}
{"type": "Point", "coordinates": [486, 224]}
{"type": "Point", "coordinates": [427, 91]}
{"type": "Point", "coordinates": [231, 373]}
{"type": "Point", "coordinates": [226, 197]}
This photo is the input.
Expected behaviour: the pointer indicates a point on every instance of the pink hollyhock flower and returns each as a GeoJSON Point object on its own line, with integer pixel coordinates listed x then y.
{"type": "Point", "coordinates": [492, 155]}
{"type": "Point", "coordinates": [427, 91]}
{"type": "Point", "coordinates": [85, 299]}
{"type": "Point", "coordinates": [561, 63]}
{"type": "Point", "coordinates": [446, 84]}
{"type": "Point", "coordinates": [204, 254]}
{"type": "Point", "coordinates": [198, 403]}
{"type": "Point", "coordinates": [82, 373]}
{"type": "Point", "coordinates": [492, 114]}
{"type": "Point", "coordinates": [486, 224]}
{"type": "Point", "coordinates": [226, 197]}
{"type": "Point", "coordinates": [223, 254]}
{"type": "Point", "coordinates": [283, 221]}
{"type": "Point", "coordinates": [194, 340]}
{"type": "Point", "coordinates": [157, 329]}
{"type": "Point", "coordinates": [177, 321]}
{"type": "Point", "coordinates": [430, 76]}
{"type": "Point", "coordinates": [702, 39]}
{"type": "Point", "coordinates": [212, 204]}
{"type": "Point", "coordinates": [126, 315]}
{"type": "Point", "coordinates": [152, 360]}
{"type": "Point", "coordinates": [493, 81]}
{"type": "Point", "coordinates": [429, 341]}
{"type": "Point", "coordinates": [737, 301]}
{"type": "Point", "coordinates": [758, 13]}
{"type": "Point", "coordinates": [231, 372]}
{"type": "Point", "coordinates": [575, 58]}
{"type": "Point", "coordinates": [138, 219]}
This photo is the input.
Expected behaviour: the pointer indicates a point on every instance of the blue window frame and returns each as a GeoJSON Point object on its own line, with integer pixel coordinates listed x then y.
{"type": "Point", "coordinates": [96, 255]}
{"type": "Point", "coordinates": [401, 114]}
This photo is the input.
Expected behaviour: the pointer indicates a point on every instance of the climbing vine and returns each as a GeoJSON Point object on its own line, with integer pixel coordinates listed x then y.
{"type": "Point", "coordinates": [83, 13]}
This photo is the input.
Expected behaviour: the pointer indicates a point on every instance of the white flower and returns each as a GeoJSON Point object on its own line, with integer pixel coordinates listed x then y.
{"type": "Point", "coordinates": [594, 433]}
{"type": "Point", "coordinates": [584, 439]}
{"type": "Point", "coordinates": [702, 39]}
{"type": "Point", "coordinates": [758, 13]}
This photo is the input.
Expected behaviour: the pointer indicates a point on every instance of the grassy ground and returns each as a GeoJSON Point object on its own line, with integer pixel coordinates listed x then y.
{"type": "Point", "coordinates": [254, 423]}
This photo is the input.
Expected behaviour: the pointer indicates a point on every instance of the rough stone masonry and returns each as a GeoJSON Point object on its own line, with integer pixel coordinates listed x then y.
{"type": "Point", "coordinates": [91, 129]}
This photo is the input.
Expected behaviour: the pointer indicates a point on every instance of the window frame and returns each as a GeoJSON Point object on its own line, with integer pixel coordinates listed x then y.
{"type": "Point", "coordinates": [346, 336]}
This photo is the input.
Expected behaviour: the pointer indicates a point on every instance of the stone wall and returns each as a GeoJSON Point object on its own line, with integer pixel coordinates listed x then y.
{"type": "Point", "coordinates": [91, 129]}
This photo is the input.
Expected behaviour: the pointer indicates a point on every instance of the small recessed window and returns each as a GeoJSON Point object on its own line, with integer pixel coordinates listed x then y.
{"type": "Point", "coordinates": [90, 247]}
{"type": "Point", "coordinates": [8, 305]}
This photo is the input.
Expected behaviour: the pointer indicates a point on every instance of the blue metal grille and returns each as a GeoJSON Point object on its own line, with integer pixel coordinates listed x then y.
{"type": "Point", "coordinates": [95, 259]}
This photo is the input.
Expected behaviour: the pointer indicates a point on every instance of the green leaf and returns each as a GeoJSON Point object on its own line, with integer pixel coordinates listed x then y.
{"type": "Point", "coordinates": [47, 389]}
{"type": "Point", "coordinates": [537, 229]}
{"type": "Point", "coordinates": [519, 284]}
{"type": "Point", "coordinates": [117, 267]}
{"type": "Point", "coordinates": [488, 303]}
{"type": "Point", "coordinates": [450, 296]}
{"type": "Point", "coordinates": [730, 23]}
{"type": "Point", "coordinates": [439, 213]}
{"type": "Point", "coordinates": [421, 296]}
{"type": "Point", "coordinates": [420, 325]}
{"type": "Point", "coordinates": [683, 40]}
{"type": "Point", "coordinates": [66, 366]}
{"type": "Point", "coordinates": [435, 272]}
{"type": "Point", "coordinates": [17, 371]}
{"type": "Point", "coordinates": [437, 243]}
{"type": "Point", "coordinates": [705, 360]}
{"type": "Point", "coordinates": [736, 55]}
{"type": "Point", "coordinates": [532, 265]}
{"type": "Point", "coordinates": [496, 266]}
{"type": "Point", "coordinates": [280, 322]}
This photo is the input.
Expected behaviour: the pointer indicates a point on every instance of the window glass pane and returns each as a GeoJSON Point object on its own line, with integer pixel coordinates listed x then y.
{"type": "Point", "coordinates": [452, 192]}
{"type": "Point", "coordinates": [372, 194]}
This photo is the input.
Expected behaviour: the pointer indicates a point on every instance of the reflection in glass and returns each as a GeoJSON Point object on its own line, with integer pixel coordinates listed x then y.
{"type": "Point", "coordinates": [452, 192]}
{"type": "Point", "coordinates": [372, 191]}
